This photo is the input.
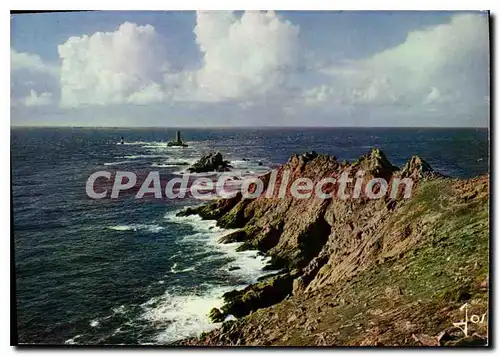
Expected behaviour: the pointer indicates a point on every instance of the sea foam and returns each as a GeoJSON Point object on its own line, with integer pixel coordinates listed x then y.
{"type": "Point", "coordinates": [185, 314]}
{"type": "Point", "coordinates": [137, 227]}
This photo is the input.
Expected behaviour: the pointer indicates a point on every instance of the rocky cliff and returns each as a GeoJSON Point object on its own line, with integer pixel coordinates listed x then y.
{"type": "Point", "coordinates": [359, 271]}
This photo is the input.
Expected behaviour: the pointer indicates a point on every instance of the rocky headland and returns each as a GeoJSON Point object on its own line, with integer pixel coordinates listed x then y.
{"type": "Point", "coordinates": [359, 272]}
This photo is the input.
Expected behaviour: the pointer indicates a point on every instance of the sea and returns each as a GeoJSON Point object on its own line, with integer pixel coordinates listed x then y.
{"type": "Point", "coordinates": [128, 271]}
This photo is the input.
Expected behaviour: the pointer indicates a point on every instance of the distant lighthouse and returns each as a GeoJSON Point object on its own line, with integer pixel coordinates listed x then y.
{"type": "Point", "coordinates": [178, 141]}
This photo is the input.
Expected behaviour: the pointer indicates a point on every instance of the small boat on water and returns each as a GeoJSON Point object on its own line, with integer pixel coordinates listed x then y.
{"type": "Point", "coordinates": [177, 142]}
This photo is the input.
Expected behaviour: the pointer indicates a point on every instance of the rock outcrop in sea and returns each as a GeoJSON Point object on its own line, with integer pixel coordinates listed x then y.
{"type": "Point", "coordinates": [358, 271]}
{"type": "Point", "coordinates": [212, 162]}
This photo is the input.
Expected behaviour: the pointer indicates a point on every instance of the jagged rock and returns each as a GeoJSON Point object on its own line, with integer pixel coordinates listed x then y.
{"type": "Point", "coordinates": [308, 273]}
{"type": "Point", "coordinates": [235, 218]}
{"type": "Point", "coordinates": [276, 263]}
{"type": "Point", "coordinates": [260, 295]}
{"type": "Point", "coordinates": [290, 230]}
{"type": "Point", "coordinates": [216, 315]}
{"type": "Point", "coordinates": [209, 163]}
{"type": "Point", "coordinates": [190, 211]}
{"type": "Point", "coordinates": [375, 164]}
{"type": "Point", "coordinates": [236, 236]}
{"type": "Point", "coordinates": [417, 168]}
{"type": "Point", "coordinates": [260, 238]}
{"type": "Point", "coordinates": [308, 156]}
{"type": "Point", "coordinates": [298, 286]}
{"type": "Point", "coordinates": [212, 211]}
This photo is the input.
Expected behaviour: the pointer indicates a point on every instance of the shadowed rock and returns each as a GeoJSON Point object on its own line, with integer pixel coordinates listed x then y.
{"type": "Point", "coordinates": [216, 315]}
{"type": "Point", "coordinates": [212, 162]}
{"type": "Point", "coordinates": [417, 168]}
{"type": "Point", "coordinates": [260, 295]}
{"type": "Point", "coordinates": [375, 164]}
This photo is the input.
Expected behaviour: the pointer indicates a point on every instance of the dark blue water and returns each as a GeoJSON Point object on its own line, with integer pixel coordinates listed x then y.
{"type": "Point", "coordinates": [128, 271]}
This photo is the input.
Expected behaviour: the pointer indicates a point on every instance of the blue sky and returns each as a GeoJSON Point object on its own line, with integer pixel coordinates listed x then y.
{"type": "Point", "coordinates": [288, 68]}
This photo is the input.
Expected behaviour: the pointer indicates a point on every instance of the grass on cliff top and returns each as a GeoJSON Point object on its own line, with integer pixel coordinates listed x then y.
{"type": "Point", "coordinates": [456, 252]}
{"type": "Point", "coordinates": [431, 197]}
{"type": "Point", "coordinates": [446, 270]}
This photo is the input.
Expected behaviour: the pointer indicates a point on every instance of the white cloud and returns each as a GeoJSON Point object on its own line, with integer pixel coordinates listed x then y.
{"type": "Point", "coordinates": [20, 61]}
{"type": "Point", "coordinates": [31, 75]}
{"type": "Point", "coordinates": [317, 95]}
{"type": "Point", "coordinates": [112, 67]}
{"type": "Point", "coordinates": [150, 93]}
{"type": "Point", "coordinates": [434, 96]}
{"type": "Point", "coordinates": [35, 99]}
{"type": "Point", "coordinates": [253, 64]}
{"type": "Point", "coordinates": [440, 64]}
{"type": "Point", "coordinates": [244, 57]}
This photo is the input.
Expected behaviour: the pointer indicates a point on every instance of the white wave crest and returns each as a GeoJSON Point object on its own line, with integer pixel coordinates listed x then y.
{"type": "Point", "coordinates": [249, 263]}
{"type": "Point", "coordinates": [142, 156]}
{"type": "Point", "coordinates": [115, 163]}
{"type": "Point", "coordinates": [184, 315]}
{"type": "Point", "coordinates": [137, 227]}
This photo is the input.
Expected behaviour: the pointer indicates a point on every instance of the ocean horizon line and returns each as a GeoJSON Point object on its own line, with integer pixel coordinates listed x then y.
{"type": "Point", "coordinates": [246, 127]}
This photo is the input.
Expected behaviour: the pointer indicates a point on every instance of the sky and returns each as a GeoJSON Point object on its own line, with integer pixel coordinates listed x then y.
{"type": "Point", "coordinates": [250, 68]}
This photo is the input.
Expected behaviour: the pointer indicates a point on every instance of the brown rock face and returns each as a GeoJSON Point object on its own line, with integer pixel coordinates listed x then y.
{"type": "Point", "coordinates": [322, 237]}
{"type": "Point", "coordinates": [417, 168]}
{"type": "Point", "coordinates": [326, 245]}
{"type": "Point", "coordinates": [294, 231]}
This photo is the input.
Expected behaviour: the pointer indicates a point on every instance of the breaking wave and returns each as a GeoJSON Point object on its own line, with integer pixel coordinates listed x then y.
{"type": "Point", "coordinates": [137, 227]}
